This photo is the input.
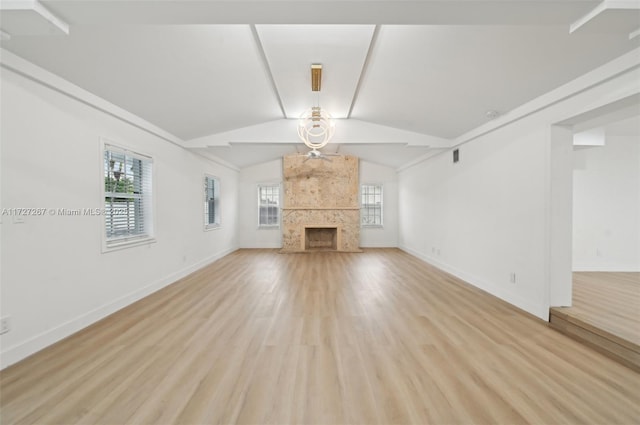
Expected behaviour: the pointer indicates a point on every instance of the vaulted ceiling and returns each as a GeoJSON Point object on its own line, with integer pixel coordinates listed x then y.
{"type": "Point", "coordinates": [402, 77]}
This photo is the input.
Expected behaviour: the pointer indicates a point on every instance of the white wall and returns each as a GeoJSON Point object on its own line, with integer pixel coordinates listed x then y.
{"type": "Point", "coordinates": [490, 215]}
{"type": "Point", "coordinates": [250, 236]}
{"type": "Point", "coordinates": [483, 217]}
{"type": "Point", "coordinates": [387, 235]}
{"type": "Point", "coordinates": [55, 279]}
{"type": "Point", "coordinates": [606, 199]}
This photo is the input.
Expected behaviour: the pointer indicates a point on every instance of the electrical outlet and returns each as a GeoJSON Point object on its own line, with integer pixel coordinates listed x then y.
{"type": "Point", "coordinates": [5, 325]}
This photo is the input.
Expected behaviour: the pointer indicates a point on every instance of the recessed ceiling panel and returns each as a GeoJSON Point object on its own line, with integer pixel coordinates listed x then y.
{"type": "Point", "coordinates": [191, 80]}
{"type": "Point", "coordinates": [442, 80]}
{"type": "Point", "coordinates": [290, 51]}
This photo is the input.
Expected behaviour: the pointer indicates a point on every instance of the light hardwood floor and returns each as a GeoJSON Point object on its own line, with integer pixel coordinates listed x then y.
{"type": "Point", "coordinates": [605, 314]}
{"type": "Point", "coordinates": [261, 337]}
{"type": "Point", "coordinates": [609, 301]}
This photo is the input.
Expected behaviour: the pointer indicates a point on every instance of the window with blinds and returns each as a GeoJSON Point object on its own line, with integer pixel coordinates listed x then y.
{"type": "Point", "coordinates": [269, 205]}
{"type": "Point", "coordinates": [127, 196]}
{"type": "Point", "coordinates": [371, 205]}
{"type": "Point", "coordinates": [211, 202]}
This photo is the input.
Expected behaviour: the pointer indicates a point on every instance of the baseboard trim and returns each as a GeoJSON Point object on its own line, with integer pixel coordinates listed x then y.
{"type": "Point", "coordinates": [38, 342]}
{"type": "Point", "coordinates": [378, 245]}
{"type": "Point", "coordinates": [540, 311]}
{"type": "Point", "coordinates": [607, 269]}
{"type": "Point", "coordinates": [262, 246]}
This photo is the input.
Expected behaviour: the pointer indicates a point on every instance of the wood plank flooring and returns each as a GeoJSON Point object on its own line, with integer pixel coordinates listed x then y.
{"type": "Point", "coordinates": [265, 338]}
{"type": "Point", "coordinates": [605, 314]}
{"type": "Point", "coordinates": [608, 301]}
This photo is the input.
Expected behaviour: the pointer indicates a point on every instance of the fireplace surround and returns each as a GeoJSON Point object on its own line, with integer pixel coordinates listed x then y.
{"type": "Point", "coordinates": [320, 207]}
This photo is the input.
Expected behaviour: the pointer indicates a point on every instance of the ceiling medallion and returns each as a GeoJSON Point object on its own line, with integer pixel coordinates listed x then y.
{"type": "Point", "coordinates": [316, 126]}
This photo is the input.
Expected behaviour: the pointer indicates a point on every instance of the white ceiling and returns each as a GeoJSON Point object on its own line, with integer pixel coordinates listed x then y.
{"type": "Point", "coordinates": [341, 48]}
{"type": "Point", "coordinates": [441, 80]}
{"type": "Point", "coordinates": [198, 69]}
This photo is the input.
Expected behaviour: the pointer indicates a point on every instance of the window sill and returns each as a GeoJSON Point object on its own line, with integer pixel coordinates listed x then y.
{"type": "Point", "coordinates": [212, 227]}
{"type": "Point", "coordinates": [372, 226]}
{"type": "Point", "coordinates": [268, 226]}
{"type": "Point", "coordinates": [116, 245]}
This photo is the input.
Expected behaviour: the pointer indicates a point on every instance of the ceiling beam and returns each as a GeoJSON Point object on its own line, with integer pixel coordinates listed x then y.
{"type": "Point", "coordinates": [348, 131]}
{"type": "Point", "coordinates": [619, 110]}
{"type": "Point", "coordinates": [365, 66]}
{"type": "Point", "coordinates": [600, 9]}
{"type": "Point", "coordinates": [583, 20]}
{"type": "Point", "coordinates": [267, 69]}
{"type": "Point", "coordinates": [8, 6]}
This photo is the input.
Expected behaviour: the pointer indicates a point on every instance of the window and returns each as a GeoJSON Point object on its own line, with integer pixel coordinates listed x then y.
{"type": "Point", "coordinates": [211, 202]}
{"type": "Point", "coordinates": [371, 205]}
{"type": "Point", "coordinates": [269, 205]}
{"type": "Point", "coordinates": [127, 197]}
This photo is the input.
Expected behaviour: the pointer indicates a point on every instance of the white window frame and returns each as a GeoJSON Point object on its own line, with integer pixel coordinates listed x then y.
{"type": "Point", "coordinates": [116, 243]}
{"type": "Point", "coordinates": [216, 203]}
{"type": "Point", "coordinates": [269, 185]}
{"type": "Point", "coordinates": [362, 205]}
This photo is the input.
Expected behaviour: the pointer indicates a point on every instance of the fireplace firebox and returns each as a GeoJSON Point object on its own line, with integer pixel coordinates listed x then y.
{"type": "Point", "coordinates": [321, 238]}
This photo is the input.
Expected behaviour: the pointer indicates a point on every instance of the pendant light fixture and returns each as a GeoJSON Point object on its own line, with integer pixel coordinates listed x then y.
{"type": "Point", "coordinates": [315, 126]}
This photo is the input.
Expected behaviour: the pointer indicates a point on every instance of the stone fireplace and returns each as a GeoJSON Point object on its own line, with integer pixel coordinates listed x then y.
{"type": "Point", "coordinates": [320, 211]}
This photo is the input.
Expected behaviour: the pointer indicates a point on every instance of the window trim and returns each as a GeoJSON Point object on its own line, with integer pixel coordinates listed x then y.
{"type": "Point", "coordinates": [370, 226]}
{"type": "Point", "coordinates": [110, 244]}
{"type": "Point", "coordinates": [279, 186]}
{"type": "Point", "coordinates": [218, 224]}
